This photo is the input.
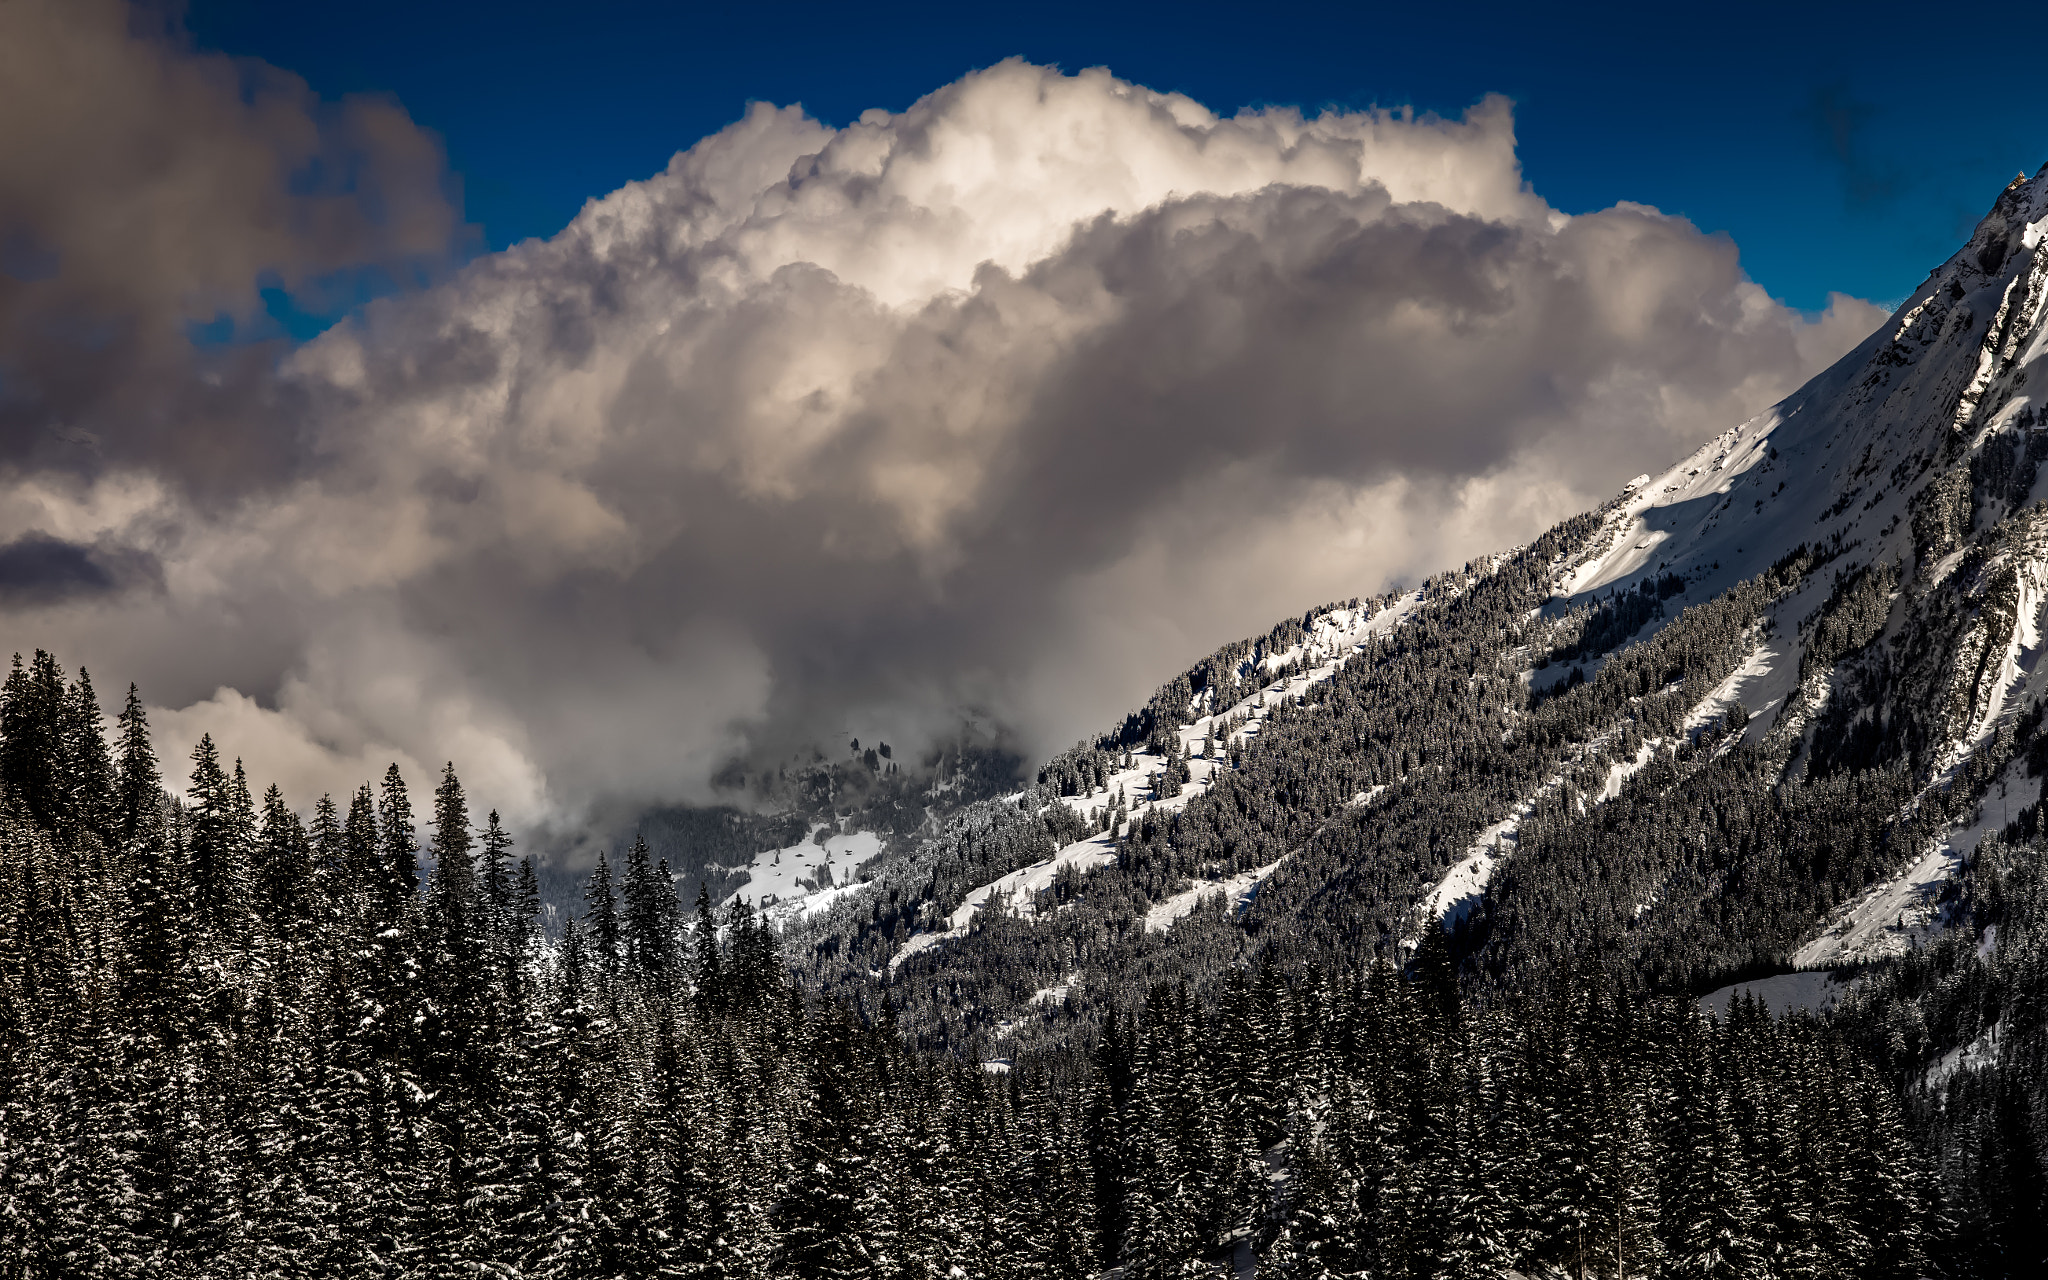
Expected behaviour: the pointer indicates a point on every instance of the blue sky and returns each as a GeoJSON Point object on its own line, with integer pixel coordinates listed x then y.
{"type": "Point", "coordinates": [1843, 147]}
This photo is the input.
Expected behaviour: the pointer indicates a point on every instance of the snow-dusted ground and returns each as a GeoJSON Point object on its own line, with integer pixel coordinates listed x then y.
{"type": "Point", "coordinates": [1783, 993]}
{"type": "Point", "coordinates": [1765, 680]}
{"type": "Point", "coordinates": [1888, 919]}
{"type": "Point", "coordinates": [1981, 1052]}
{"type": "Point", "coordinates": [1057, 992]}
{"type": "Point", "coordinates": [2019, 663]}
{"type": "Point", "coordinates": [807, 877]}
{"type": "Point", "coordinates": [1899, 913]}
{"type": "Point", "coordinates": [1234, 892]}
{"type": "Point", "coordinates": [1767, 677]}
{"type": "Point", "coordinates": [1464, 884]}
{"type": "Point", "coordinates": [1621, 771]}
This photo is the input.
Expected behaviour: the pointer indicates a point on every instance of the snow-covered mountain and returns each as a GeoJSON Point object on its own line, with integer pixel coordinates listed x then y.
{"type": "Point", "coordinates": [1943, 384]}
{"type": "Point", "coordinates": [1847, 588]}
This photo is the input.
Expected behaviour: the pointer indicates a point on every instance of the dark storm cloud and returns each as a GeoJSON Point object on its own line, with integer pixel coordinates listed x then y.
{"type": "Point", "coordinates": [147, 191]}
{"type": "Point", "coordinates": [1006, 406]}
{"type": "Point", "coordinates": [40, 570]}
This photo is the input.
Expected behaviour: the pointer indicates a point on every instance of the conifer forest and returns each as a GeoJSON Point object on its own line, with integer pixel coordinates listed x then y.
{"type": "Point", "coordinates": [242, 1043]}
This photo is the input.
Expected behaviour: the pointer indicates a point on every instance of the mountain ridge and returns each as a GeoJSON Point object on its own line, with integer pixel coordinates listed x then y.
{"type": "Point", "coordinates": [1908, 454]}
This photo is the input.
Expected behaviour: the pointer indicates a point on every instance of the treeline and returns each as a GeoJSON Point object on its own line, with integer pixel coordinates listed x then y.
{"type": "Point", "coordinates": [237, 1044]}
{"type": "Point", "coordinates": [1620, 616]}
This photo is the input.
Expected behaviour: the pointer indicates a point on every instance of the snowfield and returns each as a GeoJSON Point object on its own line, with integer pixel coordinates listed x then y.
{"type": "Point", "coordinates": [807, 877]}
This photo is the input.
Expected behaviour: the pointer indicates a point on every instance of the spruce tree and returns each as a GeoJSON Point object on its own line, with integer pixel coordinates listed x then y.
{"type": "Point", "coordinates": [35, 763]}
{"type": "Point", "coordinates": [707, 968]}
{"type": "Point", "coordinates": [94, 786]}
{"type": "Point", "coordinates": [1711, 1219]}
{"type": "Point", "coordinates": [454, 879]}
{"type": "Point", "coordinates": [398, 853]}
{"type": "Point", "coordinates": [325, 837]}
{"type": "Point", "coordinates": [284, 867]}
{"type": "Point", "coordinates": [498, 889]}
{"type": "Point", "coordinates": [601, 917]}
{"type": "Point", "coordinates": [140, 801]}
{"type": "Point", "coordinates": [363, 875]}
{"type": "Point", "coordinates": [215, 848]}
{"type": "Point", "coordinates": [650, 909]}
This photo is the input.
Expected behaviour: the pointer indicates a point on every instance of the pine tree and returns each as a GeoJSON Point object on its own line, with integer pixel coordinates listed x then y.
{"type": "Point", "coordinates": [1887, 1184]}
{"type": "Point", "coordinates": [601, 917]}
{"type": "Point", "coordinates": [815, 1219]}
{"type": "Point", "coordinates": [1474, 1215]}
{"type": "Point", "coordinates": [35, 764]}
{"type": "Point", "coordinates": [216, 850]}
{"type": "Point", "coordinates": [522, 929]}
{"type": "Point", "coordinates": [284, 867]}
{"type": "Point", "coordinates": [498, 888]}
{"type": "Point", "coordinates": [94, 787]}
{"type": "Point", "coordinates": [325, 838]}
{"type": "Point", "coordinates": [454, 880]}
{"type": "Point", "coordinates": [362, 865]}
{"type": "Point", "coordinates": [650, 909]}
{"type": "Point", "coordinates": [139, 816]}
{"type": "Point", "coordinates": [158, 896]}
{"type": "Point", "coordinates": [242, 819]}
{"type": "Point", "coordinates": [1711, 1217]}
{"type": "Point", "coordinates": [707, 969]}
{"type": "Point", "coordinates": [398, 853]}
{"type": "Point", "coordinates": [391, 981]}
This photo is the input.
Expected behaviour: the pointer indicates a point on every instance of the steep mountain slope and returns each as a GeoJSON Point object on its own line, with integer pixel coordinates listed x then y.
{"type": "Point", "coordinates": [1744, 713]}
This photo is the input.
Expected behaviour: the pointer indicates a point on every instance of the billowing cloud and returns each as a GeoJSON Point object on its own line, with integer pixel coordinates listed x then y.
{"type": "Point", "coordinates": [1007, 404]}
{"type": "Point", "coordinates": [148, 192]}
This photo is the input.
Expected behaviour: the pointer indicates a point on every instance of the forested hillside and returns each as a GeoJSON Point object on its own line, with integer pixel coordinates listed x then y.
{"type": "Point", "coordinates": [233, 1043]}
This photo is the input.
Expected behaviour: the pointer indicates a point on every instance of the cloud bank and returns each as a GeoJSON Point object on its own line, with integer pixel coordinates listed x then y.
{"type": "Point", "coordinates": [1006, 405]}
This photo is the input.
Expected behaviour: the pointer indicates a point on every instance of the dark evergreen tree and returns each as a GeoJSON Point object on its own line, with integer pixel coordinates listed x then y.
{"type": "Point", "coordinates": [707, 968]}
{"type": "Point", "coordinates": [601, 918]}
{"type": "Point", "coordinates": [35, 759]}
{"type": "Point", "coordinates": [141, 788]}
{"type": "Point", "coordinates": [650, 915]}
{"type": "Point", "coordinates": [284, 868]}
{"type": "Point", "coordinates": [217, 848]}
{"type": "Point", "coordinates": [94, 785]}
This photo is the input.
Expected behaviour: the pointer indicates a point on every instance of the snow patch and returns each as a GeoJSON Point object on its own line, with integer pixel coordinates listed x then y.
{"type": "Point", "coordinates": [1768, 676]}
{"type": "Point", "coordinates": [1236, 892]}
{"type": "Point", "coordinates": [1058, 992]}
{"type": "Point", "coordinates": [807, 877]}
{"type": "Point", "coordinates": [1454, 896]}
{"type": "Point", "coordinates": [1622, 770]}
{"type": "Point", "coordinates": [1899, 914]}
{"type": "Point", "coordinates": [1979, 1053]}
{"type": "Point", "coordinates": [1814, 992]}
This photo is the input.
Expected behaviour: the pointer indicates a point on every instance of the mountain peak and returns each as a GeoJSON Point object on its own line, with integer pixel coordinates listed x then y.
{"type": "Point", "coordinates": [1932, 401]}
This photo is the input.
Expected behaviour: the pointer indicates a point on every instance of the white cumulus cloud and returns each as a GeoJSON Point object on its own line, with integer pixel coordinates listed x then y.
{"type": "Point", "coordinates": [1007, 404]}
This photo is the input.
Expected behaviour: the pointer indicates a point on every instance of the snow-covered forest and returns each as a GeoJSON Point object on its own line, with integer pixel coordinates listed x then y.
{"type": "Point", "coordinates": [239, 1044]}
